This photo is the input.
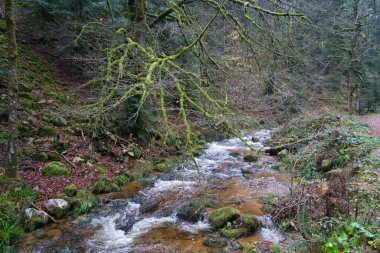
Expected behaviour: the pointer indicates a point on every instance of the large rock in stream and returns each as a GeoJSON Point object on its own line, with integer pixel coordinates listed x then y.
{"type": "Point", "coordinates": [194, 211]}
{"type": "Point", "coordinates": [220, 217]}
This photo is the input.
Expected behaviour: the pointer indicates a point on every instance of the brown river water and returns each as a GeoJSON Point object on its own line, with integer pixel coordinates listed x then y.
{"type": "Point", "coordinates": [142, 218]}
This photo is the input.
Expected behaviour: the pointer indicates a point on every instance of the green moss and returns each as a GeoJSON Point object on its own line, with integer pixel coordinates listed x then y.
{"type": "Point", "coordinates": [26, 104]}
{"type": "Point", "coordinates": [269, 201]}
{"type": "Point", "coordinates": [26, 95]}
{"type": "Point", "coordinates": [59, 146]}
{"type": "Point", "coordinates": [220, 217]}
{"type": "Point", "coordinates": [70, 190]}
{"type": "Point", "coordinates": [161, 167]}
{"type": "Point", "coordinates": [55, 119]}
{"type": "Point", "coordinates": [196, 208]}
{"type": "Point", "coordinates": [25, 130]}
{"type": "Point", "coordinates": [46, 130]}
{"type": "Point", "coordinates": [255, 139]}
{"type": "Point", "coordinates": [234, 233]}
{"type": "Point", "coordinates": [41, 156]}
{"type": "Point", "coordinates": [55, 169]}
{"type": "Point", "coordinates": [283, 154]}
{"type": "Point", "coordinates": [10, 183]}
{"type": "Point", "coordinates": [249, 222]}
{"type": "Point", "coordinates": [121, 180]}
{"type": "Point", "coordinates": [326, 165]}
{"type": "Point", "coordinates": [251, 158]}
{"type": "Point", "coordinates": [104, 185]}
{"type": "Point", "coordinates": [34, 223]}
{"type": "Point", "coordinates": [54, 157]}
{"type": "Point", "coordinates": [85, 202]}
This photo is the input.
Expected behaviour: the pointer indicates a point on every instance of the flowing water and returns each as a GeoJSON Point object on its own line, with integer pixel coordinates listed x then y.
{"type": "Point", "coordinates": [144, 218]}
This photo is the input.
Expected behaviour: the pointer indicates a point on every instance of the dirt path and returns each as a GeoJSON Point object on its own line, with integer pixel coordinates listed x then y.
{"type": "Point", "coordinates": [374, 123]}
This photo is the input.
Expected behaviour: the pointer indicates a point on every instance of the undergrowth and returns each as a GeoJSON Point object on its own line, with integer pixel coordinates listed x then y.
{"type": "Point", "coordinates": [335, 184]}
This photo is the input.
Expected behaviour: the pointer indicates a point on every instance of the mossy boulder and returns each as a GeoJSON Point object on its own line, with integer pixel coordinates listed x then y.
{"type": "Point", "coordinates": [57, 207]}
{"type": "Point", "coordinates": [234, 233]}
{"type": "Point", "coordinates": [195, 209]}
{"type": "Point", "coordinates": [35, 219]}
{"type": "Point", "coordinates": [251, 158]}
{"type": "Point", "coordinates": [327, 165]}
{"type": "Point", "coordinates": [222, 216]}
{"type": "Point", "coordinates": [104, 185]}
{"type": "Point", "coordinates": [41, 156]}
{"type": "Point", "coordinates": [249, 222]}
{"type": "Point", "coordinates": [56, 169]}
{"type": "Point", "coordinates": [215, 242]}
{"type": "Point", "coordinates": [71, 190]}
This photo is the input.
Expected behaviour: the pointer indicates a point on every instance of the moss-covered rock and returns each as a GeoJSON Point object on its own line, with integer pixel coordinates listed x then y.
{"type": "Point", "coordinates": [326, 165]}
{"type": "Point", "coordinates": [55, 169]}
{"type": "Point", "coordinates": [161, 167]}
{"type": "Point", "coordinates": [195, 209]}
{"type": "Point", "coordinates": [104, 185]}
{"type": "Point", "coordinates": [234, 233]}
{"type": "Point", "coordinates": [35, 219]}
{"type": "Point", "coordinates": [251, 158]}
{"type": "Point", "coordinates": [249, 222]}
{"type": "Point", "coordinates": [57, 207]}
{"type": "Point", "coordinates": [41, 156]}
{"type": "Point", "coordinates": [220, 217]}
{"type": "Point", "coordinates": [215, 242]}
{"type": "Point", "coordinates": [71, 190]}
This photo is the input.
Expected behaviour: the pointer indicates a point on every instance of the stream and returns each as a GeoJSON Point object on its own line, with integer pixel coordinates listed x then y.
{"type": "Point", "coordinates": [144, 218]}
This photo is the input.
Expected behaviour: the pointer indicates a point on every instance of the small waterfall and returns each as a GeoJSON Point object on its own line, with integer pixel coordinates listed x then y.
{"type": "Point", "coordinates": [268, 231]}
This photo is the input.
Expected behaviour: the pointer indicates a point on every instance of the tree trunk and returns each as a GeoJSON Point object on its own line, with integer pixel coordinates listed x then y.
{"type": "Point", "coordinates": [352, 56]}
{"type": "Point", "coordinates": [11, 167]}
{"type": "Point", "coordinates": [136, 18]}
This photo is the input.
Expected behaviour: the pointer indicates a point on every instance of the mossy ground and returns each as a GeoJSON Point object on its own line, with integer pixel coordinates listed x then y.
{"type": "Point", "coordinates": [334, 169]}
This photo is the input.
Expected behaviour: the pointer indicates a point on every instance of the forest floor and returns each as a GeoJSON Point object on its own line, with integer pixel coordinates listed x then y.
{"type": "Point", "coordinates": [373, 122]}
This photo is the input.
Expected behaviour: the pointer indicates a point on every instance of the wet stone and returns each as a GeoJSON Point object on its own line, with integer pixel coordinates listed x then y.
{"type": "Point", "coordinates": [235, 201]}
{"type": "Point", "coordinates": [215, 242]}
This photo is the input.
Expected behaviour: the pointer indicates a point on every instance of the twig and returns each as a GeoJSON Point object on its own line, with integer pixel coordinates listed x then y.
{"type": "Point", "coordinates": [51, 217]}
{"type": "Point", "coordinates": [64, 157]}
